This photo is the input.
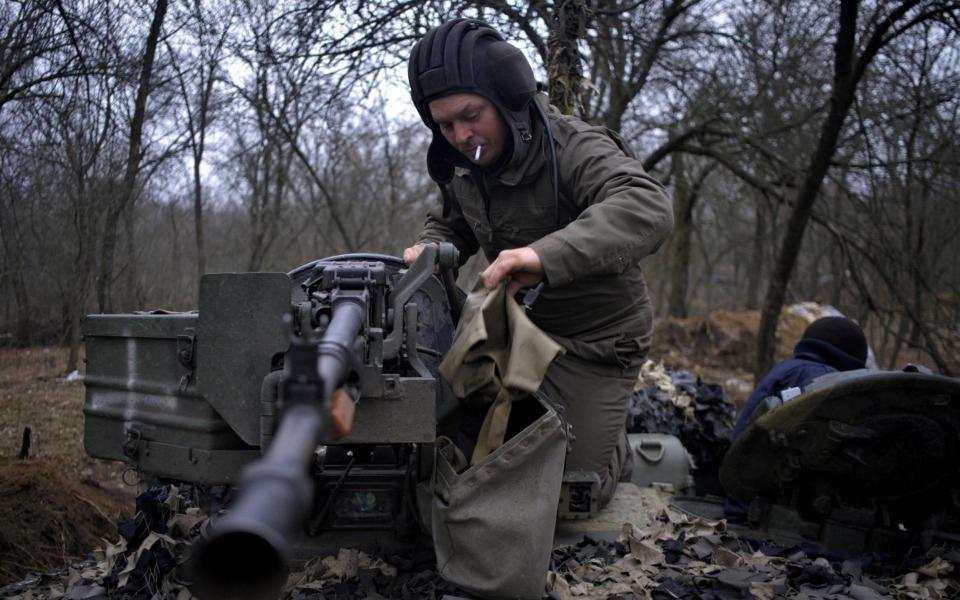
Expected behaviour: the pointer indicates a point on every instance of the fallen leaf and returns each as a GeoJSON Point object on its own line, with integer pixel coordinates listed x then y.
{"type": "Point", "coordinates": [762, 590]}
{"type": "Point", "coordinates": [557, 585]}
{"type": "Point", "coordinates": [344, 566]}
{"type": "Point", "coordinates": [581, 589]}
{"type": "Point", "coordinates": [936, 568]}
{"type": "Point", "coordinates": [181, 524]}
{"type": "Point", "coordinates": [727, 558]}
{"type": "Point", "coordinates": [647, 553]}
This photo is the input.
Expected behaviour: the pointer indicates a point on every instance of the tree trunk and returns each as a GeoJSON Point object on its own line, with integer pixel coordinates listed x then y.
{"type": "Point", "coordinates": [175, 242]}
{"type": "Point", "coordinates": [756, 257]}
{"type": "Point", "coordinates": [130, 295]}
{"type": "Point", "coordinates": [13, 252]}
{"type": "Point", "coordinates": [564, 69]}
{"type": "Point", "coordinates": [77, 308]}
{"type": "Point", "coordinates": [83, 270]}
{"type": "Point", "coordinates": [838, 271]}
{"type": "Point", "coordinates": [105, 281]}
{"type": "Point", "coordinates": [840, 101]}
{"type": "Point", "coordinates": [683, 201]}
{"type": "Point", "coordinates": [198, 215]}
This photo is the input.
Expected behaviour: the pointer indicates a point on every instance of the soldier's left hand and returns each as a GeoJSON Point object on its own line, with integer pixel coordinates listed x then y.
{"type": "Point", "coordinates": [521, 265]}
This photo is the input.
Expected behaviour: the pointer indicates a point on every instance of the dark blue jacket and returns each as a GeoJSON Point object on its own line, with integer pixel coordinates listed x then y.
{"type": "Point", "coordinates": [811, 359]}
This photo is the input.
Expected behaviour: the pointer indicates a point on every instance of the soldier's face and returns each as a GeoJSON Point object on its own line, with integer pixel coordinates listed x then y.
{"type": "Point", "coordinates": [467, 122]}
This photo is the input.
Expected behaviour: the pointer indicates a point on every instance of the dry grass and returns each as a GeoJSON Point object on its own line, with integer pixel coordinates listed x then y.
{"type": "Point", "coordinates": [47, 518]}
{"type": "Point", "coordinates": [35, 394]}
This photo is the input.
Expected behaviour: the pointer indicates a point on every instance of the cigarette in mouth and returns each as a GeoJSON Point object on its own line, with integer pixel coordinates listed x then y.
{"type": "Point", "coordinates": [476, 155]}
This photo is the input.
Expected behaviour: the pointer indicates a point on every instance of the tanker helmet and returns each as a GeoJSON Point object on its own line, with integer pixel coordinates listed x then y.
{"type": "Point", "coordinates": [467, 55]}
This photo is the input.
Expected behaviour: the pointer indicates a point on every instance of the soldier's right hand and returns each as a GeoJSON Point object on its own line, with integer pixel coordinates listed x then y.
{"type": "Point", "coordinates": [410, 254]}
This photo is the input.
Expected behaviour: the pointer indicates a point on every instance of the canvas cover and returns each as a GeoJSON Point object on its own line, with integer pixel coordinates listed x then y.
{"type": "Point", "coordinates": [493, 518]}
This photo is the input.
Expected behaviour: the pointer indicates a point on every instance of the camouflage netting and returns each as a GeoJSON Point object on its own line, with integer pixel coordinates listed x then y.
{"type": "Point", "coordinates": [683, 557]}
{"type": "Point", "coordinates": [676, 556]}
{"type": "Point", "coordinates": [678, 403]}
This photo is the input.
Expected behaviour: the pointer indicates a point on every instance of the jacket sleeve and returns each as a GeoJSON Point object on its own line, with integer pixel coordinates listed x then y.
{"type": "Point", "coordinates": [453, 228]}
{"type": "Point", "coordinates": [625, 214]}
{"type": "Point", "coordinates": [764, 389]}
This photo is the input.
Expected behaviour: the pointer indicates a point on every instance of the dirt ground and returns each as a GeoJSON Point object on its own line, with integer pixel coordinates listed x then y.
{"type": "Point", "coordinates": [60, 503]}
{"type": "Point", "coordinates": [35, 393]}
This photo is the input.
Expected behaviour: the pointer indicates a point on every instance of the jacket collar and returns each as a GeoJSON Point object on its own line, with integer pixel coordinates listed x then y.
{"type": "Point", "coordinates": [528, 167]}
{"type": "Point", "coordinates": [520, 169]}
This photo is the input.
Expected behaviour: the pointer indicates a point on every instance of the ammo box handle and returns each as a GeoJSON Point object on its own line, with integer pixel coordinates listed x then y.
{"type": "Point", "coordinates": [651, 450]}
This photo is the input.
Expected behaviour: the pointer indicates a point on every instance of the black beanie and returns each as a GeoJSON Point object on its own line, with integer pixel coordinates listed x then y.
{"type": "Point", "coordinates": [467, 55]}
{"type": "Point", "coordinates": [841, 333]}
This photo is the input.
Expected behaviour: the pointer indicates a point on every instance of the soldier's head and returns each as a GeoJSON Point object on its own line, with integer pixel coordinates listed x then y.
{"type": "Point", "coordinates": [843, 334]}
{"type": "Point", "coordinates": [472, 89]}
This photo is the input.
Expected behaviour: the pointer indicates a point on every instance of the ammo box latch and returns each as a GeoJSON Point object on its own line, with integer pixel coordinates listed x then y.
{"type": "Point", "coordinates": [186, 351]}
{"type": "Point", "coordinates": [131, 446]}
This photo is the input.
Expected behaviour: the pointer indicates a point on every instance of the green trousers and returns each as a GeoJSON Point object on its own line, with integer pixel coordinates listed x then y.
{"type": "Point", "coordinates": [594, 398]}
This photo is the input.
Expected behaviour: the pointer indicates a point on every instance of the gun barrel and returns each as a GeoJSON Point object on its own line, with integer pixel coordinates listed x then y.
{"type": "Point", "coordinates": [246, 551]}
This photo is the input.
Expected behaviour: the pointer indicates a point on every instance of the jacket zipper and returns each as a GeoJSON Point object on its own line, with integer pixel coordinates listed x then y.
{"type": "Point", "coordinates": [482, 186]}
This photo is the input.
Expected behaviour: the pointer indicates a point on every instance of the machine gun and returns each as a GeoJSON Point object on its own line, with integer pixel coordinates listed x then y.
{"type": "Point", "coordinates": [200, 397]}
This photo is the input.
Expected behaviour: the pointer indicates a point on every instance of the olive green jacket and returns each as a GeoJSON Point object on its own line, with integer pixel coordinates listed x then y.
{"type": "Point", "coordinates": [596, 304]}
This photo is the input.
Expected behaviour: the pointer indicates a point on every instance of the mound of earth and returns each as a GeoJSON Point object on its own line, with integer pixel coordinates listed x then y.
{"type": "Point", "coordinates": [47, 519]}
{"type": "Point", "coordinates": [722, 339]}
{"type": "Point", "coordinates": [721, 345]}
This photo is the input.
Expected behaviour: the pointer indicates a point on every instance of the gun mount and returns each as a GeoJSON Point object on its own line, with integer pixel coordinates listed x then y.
{"type": "Point", "coordinates": [862, 461]}
{"type": "Point", "coordinates": [239, 394]}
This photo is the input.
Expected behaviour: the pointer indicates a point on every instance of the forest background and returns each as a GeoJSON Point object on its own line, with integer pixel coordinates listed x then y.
{"type": "Point", "coordinates": [811, 148]}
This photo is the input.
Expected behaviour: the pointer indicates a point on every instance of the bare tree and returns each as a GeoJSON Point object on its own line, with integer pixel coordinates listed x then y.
{"type": "Point", "coordinates": [11, 232]}
{"type": "Point", "coordinates": [83, 128]}
{"type": "Point", "coordinates": [632, 40]}
{"type": "Point", "coordinates": [304, 161]}
{"type": "Point", "coordinates": [197, 68]}
{"type": "Point", "coordinates": [37, 46]}
{"type": "Point", "coordinates": [564, 64]}
{"type": "Point", "coordinates": [850, 65]}
{"type": "Point", "coordinates": [892, 203]}
{"type": "Point", "coordinates": [134, 158]}
{"type": "Point", "coordinates": [39, 52]}
{"type": "Point", "coordinates": [685, 196]}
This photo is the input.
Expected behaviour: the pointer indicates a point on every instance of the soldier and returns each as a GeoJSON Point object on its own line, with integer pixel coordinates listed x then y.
{"type": "Point", "coordinates": [828, 345]}
{"type": "Point", "coordinates": [550, 200]}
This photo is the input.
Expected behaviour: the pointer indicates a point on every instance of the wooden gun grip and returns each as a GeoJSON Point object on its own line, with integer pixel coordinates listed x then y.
{"type": "Point", "coordinates": [342, 409]}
